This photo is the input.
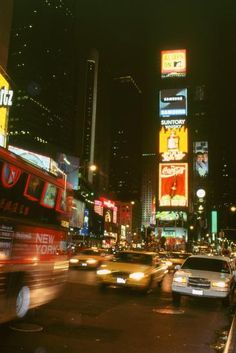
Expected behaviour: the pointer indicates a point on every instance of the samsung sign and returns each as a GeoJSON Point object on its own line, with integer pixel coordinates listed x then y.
{"type": "Point", "coordinates": [6, 97]}
{"type": "Point", "coordinates": [173, 102]}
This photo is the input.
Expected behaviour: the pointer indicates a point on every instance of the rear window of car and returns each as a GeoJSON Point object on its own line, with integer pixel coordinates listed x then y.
{"type": "Point", "coordinates": [134, 258]}
{"type": "Point", "coordinates": [90, 252]}
{"type": "Point", "coordinates": [202, 264]}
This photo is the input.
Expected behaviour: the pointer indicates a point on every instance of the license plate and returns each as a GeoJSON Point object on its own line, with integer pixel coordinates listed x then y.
{"type": "Point", "coordinates": [197, 292]}
{"type": "Point", "coordinates": [120, 280]}
{"type": "Point", "coordinates": [84, 264]}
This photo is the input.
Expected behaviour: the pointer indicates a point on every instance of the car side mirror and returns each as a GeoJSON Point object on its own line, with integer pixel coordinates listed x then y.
{"type": "Point", "coordinates": [177, 267]}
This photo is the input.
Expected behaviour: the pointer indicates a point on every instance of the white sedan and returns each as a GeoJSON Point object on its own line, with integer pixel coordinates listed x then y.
{"type": "Point", "coordinates": [205, 276]}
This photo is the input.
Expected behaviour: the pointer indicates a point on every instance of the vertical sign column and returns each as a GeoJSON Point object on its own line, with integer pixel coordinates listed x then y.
{"type": "Point", "coordinates": [173, 153]}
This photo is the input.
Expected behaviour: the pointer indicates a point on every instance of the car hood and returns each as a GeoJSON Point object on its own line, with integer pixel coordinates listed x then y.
{"type": "Point", "coordinates": [85, 257]}
{"type": "Point", "coordinates": [126, 267]}
{"type": "Point", "coordinates": [202, 274]}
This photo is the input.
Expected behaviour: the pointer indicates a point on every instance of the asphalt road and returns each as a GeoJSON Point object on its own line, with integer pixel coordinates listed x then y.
{"type": "Point", "coordinates": [86, 320]}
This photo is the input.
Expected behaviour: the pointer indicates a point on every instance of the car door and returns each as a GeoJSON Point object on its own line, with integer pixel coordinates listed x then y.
{"type": "Point", "coordinates": [158, 269]}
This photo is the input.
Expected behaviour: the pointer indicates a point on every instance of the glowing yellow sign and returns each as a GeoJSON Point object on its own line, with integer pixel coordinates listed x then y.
{"type": "Point", "coordinates": [4, 85]}
{"type": "Point", "coordinates": [173, 143]}
{"type": "Point", "coordinates": [173, 63]}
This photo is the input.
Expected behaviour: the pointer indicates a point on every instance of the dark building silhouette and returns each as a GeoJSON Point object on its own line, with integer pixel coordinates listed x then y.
{"type": "Point", "coordinates": [125, 163]}
{"type": "Point", "coordinates": [41, 63]}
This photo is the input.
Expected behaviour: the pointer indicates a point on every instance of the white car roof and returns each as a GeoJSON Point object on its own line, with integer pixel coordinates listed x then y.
{"type": "Point", "coordinates": [216, 257]}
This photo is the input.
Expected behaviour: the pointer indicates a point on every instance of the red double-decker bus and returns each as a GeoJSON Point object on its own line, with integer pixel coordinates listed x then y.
{"type": "Point", "coordinates": [33, 236]}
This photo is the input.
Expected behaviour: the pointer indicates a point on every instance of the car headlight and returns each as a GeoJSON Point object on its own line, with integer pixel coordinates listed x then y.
{"type": "Point", "coordinates": [169, 263]}
{"type": "Point", "coordinates": [180, 279]}
{"type": "Point", "coordinates": [103, 271]}
{"type": "Point", "coordinates": [73, 261]}
{"type": "Point", "coordinates": [220, 284]}
{"type": "Point", "coordinates": [91, 261]}
{"type": "Point", "coordinates": [136, 275]}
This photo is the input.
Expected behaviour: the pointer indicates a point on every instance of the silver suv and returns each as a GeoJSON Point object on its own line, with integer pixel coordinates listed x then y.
{"type": "Point", "coordinates": [205, 276]}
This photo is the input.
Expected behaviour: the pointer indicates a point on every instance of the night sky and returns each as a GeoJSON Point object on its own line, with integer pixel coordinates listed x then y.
{"type": "Point", "coordinates": [129, 35]}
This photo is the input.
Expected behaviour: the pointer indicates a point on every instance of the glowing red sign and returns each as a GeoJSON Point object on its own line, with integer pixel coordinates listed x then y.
{"type": "Point", "coordinates": [173, 184]}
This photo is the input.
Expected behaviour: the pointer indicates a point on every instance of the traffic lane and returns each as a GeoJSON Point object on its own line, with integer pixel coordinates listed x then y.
{"type": "Point", "coordinates": [85, 319]}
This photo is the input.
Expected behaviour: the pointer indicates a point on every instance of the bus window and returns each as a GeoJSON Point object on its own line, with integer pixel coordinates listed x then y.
{"type": "Point", "coordinates": [49, 195]}
{"type": "Point", "coordinates": [34, 187]}
{"type": "Point", "coordinates": [61, 201]}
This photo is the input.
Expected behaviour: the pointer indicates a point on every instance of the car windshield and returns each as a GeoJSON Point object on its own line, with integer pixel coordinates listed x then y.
{"type": "Point", "coordinates": [134, 258]}
{"type": "Point", "coordinates": [214, 265]}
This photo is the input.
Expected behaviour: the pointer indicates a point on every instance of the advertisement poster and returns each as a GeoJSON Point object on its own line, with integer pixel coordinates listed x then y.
{"type": "Point", "coordinates": [173, 184]}
{"type": "Point", "coordinates": [200, 163]}
{"type": "Point", "coordinates": [70, 166]}
{"type": "Point", "coordinates": [5, 103]}
{"type": "Point", "coordinates": [173, 144]}
{"type": "Point", "coordinates": [173, 102]}
{"type": "Point", "coordinates": [173, 63]}
{"type": "Point", "coordinates": [75, 210]}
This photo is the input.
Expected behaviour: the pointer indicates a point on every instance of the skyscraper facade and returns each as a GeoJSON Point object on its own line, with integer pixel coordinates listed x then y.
{"type": "Point", "coordinates": [125, 162]}
{"type": "Point", "coordinates": [42, 65]}
{"type": "Point", "coordinates": [149, 189]}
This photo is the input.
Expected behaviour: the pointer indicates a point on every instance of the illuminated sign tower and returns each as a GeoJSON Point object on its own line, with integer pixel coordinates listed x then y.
{"type": "Point", "coordinates": [173, 171]}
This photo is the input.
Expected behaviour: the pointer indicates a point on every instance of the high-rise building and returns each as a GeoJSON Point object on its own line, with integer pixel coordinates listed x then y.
{"type": "Point", "coordinates": [125, 162]}
{"type": "Point", "coordinates": [5, 27]}
{"type": "Point", "coordinates": [42, 65]}
{"type": "Point", "coordinates": [149, 189]}
{"type": "Point", "coordinates": [90, 112]}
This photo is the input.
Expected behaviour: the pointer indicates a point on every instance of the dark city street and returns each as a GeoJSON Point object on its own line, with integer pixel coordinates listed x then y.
{"type": "Point", "coordinates": [84, 319]}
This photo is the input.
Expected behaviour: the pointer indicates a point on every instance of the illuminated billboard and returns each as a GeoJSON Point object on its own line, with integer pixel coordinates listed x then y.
{"type": "Point", "coordinates": [5, 103]}
{"type": "Point", "coordinates": [171, 216]}
{"type": "Point", "coordinates": [173, 63]}
{"type": "Point", "coordinates": [173, 184]}
{"type": "Point", "coordinates": [39, 160]}
{"type": "Point", "coordinates": [173, 143]}
{"type": "Point", "coordinates": [173, 102]}
{"type": "Point", "coordinates": [75, 210]}
{"type": "Point", "coordinates": [173, 123]}
{"type": "Point", "coordinates": [70, 166]}
{"type": "Point", "coordinates": [200, 165]}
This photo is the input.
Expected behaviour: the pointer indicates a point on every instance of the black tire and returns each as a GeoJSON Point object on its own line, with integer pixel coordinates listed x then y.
{"type": "Point", "coordinates": [176, 298]}
{"type": "Point", "coordinates": [103, 287]}
{"type": "Point", "coordinates": [18, 295]}
{"type": "Point", "coordinates": [229, 299]}
{"type": "Point", "coordinates": [149, 288]}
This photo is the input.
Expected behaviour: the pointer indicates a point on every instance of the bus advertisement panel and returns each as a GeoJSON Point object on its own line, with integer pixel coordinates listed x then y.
{"type": "Point", "coordinates": [33, 236]}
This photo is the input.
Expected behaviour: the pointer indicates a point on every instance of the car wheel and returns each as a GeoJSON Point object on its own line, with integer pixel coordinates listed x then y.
{"type": "Point", "coordinates": [176, 298]}
{"type": "Point", "coordinates": [229, 299]}
{"type": "Point", "coordinates": [103, 287]}
{"type": "Point", "coordinates": [18, 296]}
{"type": "Point", "coordinates": [149, 288]}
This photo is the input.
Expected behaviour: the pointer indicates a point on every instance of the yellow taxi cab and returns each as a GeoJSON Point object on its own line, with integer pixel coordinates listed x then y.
{"type": "Point", "coordinates": [133, 269]}
{"type": "Point", "coordinates": [90, 258]}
